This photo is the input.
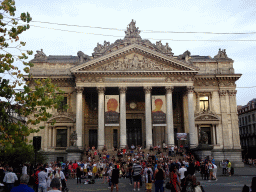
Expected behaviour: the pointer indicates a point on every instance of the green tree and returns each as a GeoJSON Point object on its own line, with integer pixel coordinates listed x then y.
{"type": "Point", "coordinates": [21, 112]}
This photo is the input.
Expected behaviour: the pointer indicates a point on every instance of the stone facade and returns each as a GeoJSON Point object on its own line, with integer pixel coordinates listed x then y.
{"type": "Point", "coordinates": [199, 90]}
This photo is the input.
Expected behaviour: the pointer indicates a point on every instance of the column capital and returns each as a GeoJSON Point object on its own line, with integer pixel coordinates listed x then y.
{"type": "Point", "coordinates": [123, 89]}
{"type": "Point", "coordinates": [79, 89]}
{"type": "Point", "coordinates": [232, 92]}
{"type": "Point", "coordinates": [169, 89]}
{"type": "Point", "coordinates": [222, 93]}
{"type": "Point", "coordinates": [147, 89]}
{"type": "Point", "coordinates": [190, 89]}
{"type": "Point", "coordinates": [101, 89]}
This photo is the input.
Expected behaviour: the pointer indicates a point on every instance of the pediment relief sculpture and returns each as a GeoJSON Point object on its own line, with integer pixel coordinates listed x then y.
{"type": "Point", "coordinates": [62, 117]}
{"type": "Point", "coordinates": [206, 116]}
{"type": "Point", "coordinates": [134, 63]}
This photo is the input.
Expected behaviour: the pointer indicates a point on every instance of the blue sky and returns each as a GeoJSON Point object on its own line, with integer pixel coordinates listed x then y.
{"type": "Point", "coordinates": [158, 15]}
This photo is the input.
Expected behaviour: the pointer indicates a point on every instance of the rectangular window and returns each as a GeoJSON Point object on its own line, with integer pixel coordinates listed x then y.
{"type": "Point", "coordinates": [62, 105]}
{"type": "Point", "coordinates": [253, 117]}
{"type": "Point", "coordinates": [61, 138]}
{"type": "Point", "coordinates": [249, 118]}
{"type": "Point", "coordinates": [204, 103]}
{"type": "Point", "coordinates": [245, 120]}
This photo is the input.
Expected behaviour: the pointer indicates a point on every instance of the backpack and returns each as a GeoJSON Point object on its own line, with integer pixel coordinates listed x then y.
{"type": "Point", "coordinates": [149, 176]}
{"type": "Point", "coordinates": [189, 187]}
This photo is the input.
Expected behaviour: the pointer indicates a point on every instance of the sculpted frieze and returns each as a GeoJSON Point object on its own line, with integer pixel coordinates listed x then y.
{"type": "Point", "coordinates": [178, 79]}
{"type": "Point", "coordinates": [227, 84]}
{"type": "Point", "coordinates": [134, 63]}
{"type": "Point", "coordinates": [64, 84]}
{"type": "Point", "coordinates": [89, 79]}
{"type": "Point", "coordinates": [40, 66]}
{"type": "Point", "coordinates": [206, 83]}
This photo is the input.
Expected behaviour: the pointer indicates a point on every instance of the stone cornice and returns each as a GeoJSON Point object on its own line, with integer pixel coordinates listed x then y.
{"type": "Point", "coordinates": [70, 78]}
{"type": "Point", "coordinates": [218, 77]}
{"type": "Point", "coordinates": [139, 73]}
{"type": "Point", "coordinates": [133, 48]}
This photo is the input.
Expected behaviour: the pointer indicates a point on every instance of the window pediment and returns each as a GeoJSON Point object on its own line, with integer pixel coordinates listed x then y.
{"type": "Point", "coordinates": [62, 118]}
{"type": "Point", "coordinates": [206, 116]}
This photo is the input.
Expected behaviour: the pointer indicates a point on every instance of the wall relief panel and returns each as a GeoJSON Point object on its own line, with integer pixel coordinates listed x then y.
{"type": "Point", "coordinates": [134, 62]}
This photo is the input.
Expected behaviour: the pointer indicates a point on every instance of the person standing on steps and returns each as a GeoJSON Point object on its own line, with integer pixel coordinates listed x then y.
{"type": "Point", "coordinates": [159, 179]}
{"type": "Point", "coordinates": [115, 178]}
{"type": "Point", "coordinates": [137, 169]}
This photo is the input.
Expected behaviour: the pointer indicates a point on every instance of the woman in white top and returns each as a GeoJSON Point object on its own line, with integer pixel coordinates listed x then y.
{"type": "Point", "coordinates": [49, 179]}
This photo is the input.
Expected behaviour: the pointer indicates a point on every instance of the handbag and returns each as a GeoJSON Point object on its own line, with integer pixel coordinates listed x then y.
{"type": "Point", "coordinates": [168, 185]}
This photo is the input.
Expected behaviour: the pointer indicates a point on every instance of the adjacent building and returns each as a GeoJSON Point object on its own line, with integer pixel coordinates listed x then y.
{"type": "Point", "coordinates": [135, 92]}
{"type": "Point", "coordinates": [247, 128]}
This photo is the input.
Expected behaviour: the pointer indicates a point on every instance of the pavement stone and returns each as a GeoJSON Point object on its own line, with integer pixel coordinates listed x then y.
{"type": "Point", "coordinates": [224, 184]}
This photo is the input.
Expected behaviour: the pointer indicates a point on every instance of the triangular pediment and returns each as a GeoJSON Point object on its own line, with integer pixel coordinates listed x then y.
{"type": "Point", "coordinates": [62, 118]}
{"type": "Point", "coordinates": [134, 58]}
{"type": "Point", "coordinates": [206, 116]}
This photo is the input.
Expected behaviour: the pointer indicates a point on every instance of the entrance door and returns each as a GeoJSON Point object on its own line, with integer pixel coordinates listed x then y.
{"type": "Point", "coordinates": [115, 138]}
{"type": "Point", "coordinates": [134, 132]}
{"type": "Point", "coordinates": [93, 138]}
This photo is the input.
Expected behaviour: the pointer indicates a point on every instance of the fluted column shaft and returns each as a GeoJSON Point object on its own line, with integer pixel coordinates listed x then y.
{"type": "Point", "coordinates": [123, 140]}
{"type": "Point", "coordinates": [191, 118]}
{"type": "Point", "coordinates": [79, 115]}
{"type": "Point", "coordinates": [101, 126]}
{"type": "Point", "coordinates": [149, 140]}
{"type": "Point", "coordinates": [169, 116]}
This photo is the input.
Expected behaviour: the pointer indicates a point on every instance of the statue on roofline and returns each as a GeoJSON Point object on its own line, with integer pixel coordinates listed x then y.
{"type": "Point", "coordinates": [40, 55]}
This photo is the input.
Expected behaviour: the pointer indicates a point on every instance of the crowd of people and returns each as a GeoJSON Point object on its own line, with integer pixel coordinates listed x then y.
{"type": "Point", "coordinates": [175, 165]}
{"type": "Point", "coordinates": [251, 162]}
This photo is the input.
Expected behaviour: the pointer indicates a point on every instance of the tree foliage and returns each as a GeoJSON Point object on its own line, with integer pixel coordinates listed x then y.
{"type": "Point", "coordinates": [21, 112]}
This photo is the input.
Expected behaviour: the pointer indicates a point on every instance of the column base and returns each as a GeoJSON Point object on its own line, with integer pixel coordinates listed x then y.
{"type": "Point", "coordinates": [74, 153]}
{"type": "Point", "coordinates": [233, 155]}
{"type": "Point", "coordinates": [100, 147]}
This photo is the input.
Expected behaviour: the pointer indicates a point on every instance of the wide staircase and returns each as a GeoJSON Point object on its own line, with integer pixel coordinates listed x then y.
{"type": "Point", "coordinates": [126, 157]}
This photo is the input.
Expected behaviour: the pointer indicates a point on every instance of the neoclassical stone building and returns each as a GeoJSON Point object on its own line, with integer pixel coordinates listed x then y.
{"type": "Point", "coordinates": [196, 94]}
{"type": "Point", "coordinates": [247, 128]}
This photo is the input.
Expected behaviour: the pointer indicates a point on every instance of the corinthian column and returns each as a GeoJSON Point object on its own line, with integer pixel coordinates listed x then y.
{"type": "Point", "coordinates": [79, 115]}
{"type": "Point", "coordinates": [169, 116]}
{"type": "Point", "coordinates": [101, 131]}
{"type": "Point", "coordinates": [123, 140]}
{"type": "Point", "coordinates": [148, 116]}
{"type": "Point", "coordinates": [234, 119]}
{"type": "Point", "coordinates": [191, 118]}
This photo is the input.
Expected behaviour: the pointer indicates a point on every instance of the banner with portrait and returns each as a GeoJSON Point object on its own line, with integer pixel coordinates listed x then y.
{"type": "Point", "coordinates": [158, 110]}
{"type": "Point", "coordinates": [182, 136]}
{"type": "Point", "coordinates": [112, 110]}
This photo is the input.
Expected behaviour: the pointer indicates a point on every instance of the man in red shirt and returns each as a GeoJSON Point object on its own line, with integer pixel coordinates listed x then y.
{"type": "Point", "coordinates": [35, 175]}
{"type": "Point", "coordinates": [74, 166]}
